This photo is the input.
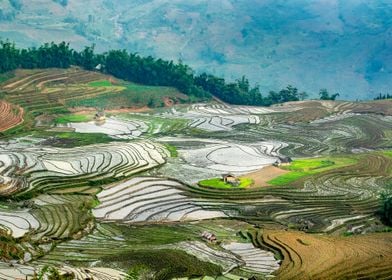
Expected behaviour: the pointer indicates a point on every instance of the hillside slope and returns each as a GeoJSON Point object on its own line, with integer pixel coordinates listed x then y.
{"type": "Point", "coordinates": [340, 45]}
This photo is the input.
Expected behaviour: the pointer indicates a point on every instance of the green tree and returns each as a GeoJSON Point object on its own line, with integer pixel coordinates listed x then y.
{"type": "Point", "coordinates": [324, 95]}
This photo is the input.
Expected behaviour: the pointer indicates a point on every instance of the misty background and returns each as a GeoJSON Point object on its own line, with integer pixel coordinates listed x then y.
{"type": "Point", "coordinates": [342, 45]}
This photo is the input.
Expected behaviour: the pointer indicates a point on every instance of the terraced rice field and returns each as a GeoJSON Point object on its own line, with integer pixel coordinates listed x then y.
{"type": "Point", "coordinates": [255, 260]}
{"type": "Point", "coordinates": [218, 117]}
{"type": "Point", "coordinates": [146, 199]}
{"type": "Point", "coordinates": [131, 206]}
{"type": "Point", "coordinates": [10, 115]}
{"type": "Point", "coordinates": [49, 169]}
{"type": "Point", "coordinates": [17, 223]}
{"type": "Point", "coordinates": [321, 257]}
{"type": "Point", "coordinates": [39, 91]}
{"type": "Point", "coordinates": [114, 127]}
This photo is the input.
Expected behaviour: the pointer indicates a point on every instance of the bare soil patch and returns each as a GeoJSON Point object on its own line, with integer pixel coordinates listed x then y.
{"type": "Point", "coordinates": [262, 176]}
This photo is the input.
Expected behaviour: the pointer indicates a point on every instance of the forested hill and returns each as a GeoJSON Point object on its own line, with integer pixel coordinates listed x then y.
{"type": "Point", "coordinates": [144, 70]}
{"type": "Point", "coordinates": [341, 45]}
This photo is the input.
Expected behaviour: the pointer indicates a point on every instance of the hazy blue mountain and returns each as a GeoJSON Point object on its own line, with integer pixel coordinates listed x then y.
{"type": "Point", "coordinates": [342, 45]}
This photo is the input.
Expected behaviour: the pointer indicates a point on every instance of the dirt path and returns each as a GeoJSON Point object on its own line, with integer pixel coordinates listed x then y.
{"type": "Point", "coordinates": [262, 176]}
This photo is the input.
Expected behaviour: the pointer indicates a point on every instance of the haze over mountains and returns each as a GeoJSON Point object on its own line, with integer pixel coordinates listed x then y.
{"type": "Point", "coordinates": [342, 45]}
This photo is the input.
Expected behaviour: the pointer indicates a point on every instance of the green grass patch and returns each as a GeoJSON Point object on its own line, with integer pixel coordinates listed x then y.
{"type": "Point", "coordinates": [304, 167]}
{"type": "Point", "coordinates": [172, 150]}
{"type": "Point", "coordinates": [388, 153]}
{"type": "Point", "coordinates": [164, 264]}
{"type": "Point", "coordinates": [72, 118]}
{"type": "Point", "coordinates": [220, 184]}
{"type": "Point", "coordinates": [101, 83]}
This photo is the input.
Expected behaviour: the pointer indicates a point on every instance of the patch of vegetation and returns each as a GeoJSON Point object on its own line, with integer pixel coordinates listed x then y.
{"type": "Point", "coordinates": [165, 263]}
{"type": "Point", "coordinates": [72, 139]}
{"type": "Point", "coordinates": [388, 153]}
{"type": "Point", "coordinates": [72, 118]}
{"type": "Point", "coordinates": [6, 76]}
{"type": "Point", "coordinates": [143, 70]}
{"type": "Point", "coordinates": [220, 184]}
{"type": "Point", "coordinates": [383, 96]}
{"type": "Point", "coordinates": [324, 95]}
{"type": "Point", "coordinates": [51, 273]}
{"type": "Point", "coordinates": [101, 83]}
{"type": "Point", "coordinates": [305, 167]}
{"type": "Point", "coordinates": [309, 164]}
{"type": "Point", "coordinates": [8, 247]}
{"type": "Point", "coordinates": [133, 96]}
{"type": "Point", "coordinates": [172, 149]}
{"type": "Point", "coordinates": [157, 234]}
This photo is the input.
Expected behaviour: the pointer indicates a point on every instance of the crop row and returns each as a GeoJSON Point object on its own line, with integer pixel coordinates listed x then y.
{"type": "Point", "coordinates": [48, 169]}
{"type": "Point", "coordinates": [10, 115]}
{"type": "Point", "coordinates": [145, 199]}
{"type": "Point", "coordinates": [323, 257]}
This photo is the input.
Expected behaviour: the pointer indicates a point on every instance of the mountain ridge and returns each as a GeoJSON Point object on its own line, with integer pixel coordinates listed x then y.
{"type": "Point", "coordinates": [339, 45]}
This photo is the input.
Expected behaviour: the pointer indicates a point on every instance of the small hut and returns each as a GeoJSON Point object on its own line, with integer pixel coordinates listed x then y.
{"type": "Point", "coordinates": [100, 116]}
{"type": "Point", "coordinates": [208, 236]}
{"type": "Point", "coordinates": [230, 179]}
{"type": "Point", "coordinates": [283, 161]}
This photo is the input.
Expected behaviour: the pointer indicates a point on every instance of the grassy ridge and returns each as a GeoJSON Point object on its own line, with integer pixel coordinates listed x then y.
{"type": "Point", "coordinates": [132, 95]}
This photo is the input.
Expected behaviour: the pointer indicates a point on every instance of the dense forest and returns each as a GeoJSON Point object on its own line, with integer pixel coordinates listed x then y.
{"type": "Point", "coordinates": [145, 70]}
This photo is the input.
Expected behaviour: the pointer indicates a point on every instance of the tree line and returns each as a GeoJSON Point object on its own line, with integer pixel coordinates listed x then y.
{"type": "Point", "coordinates": [383, 96]}
{"type": "Point", "coordinates": [146, 70]}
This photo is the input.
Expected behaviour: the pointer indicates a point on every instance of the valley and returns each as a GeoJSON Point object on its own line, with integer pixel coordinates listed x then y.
{"type": "Point", "coordinates": [102, 178]}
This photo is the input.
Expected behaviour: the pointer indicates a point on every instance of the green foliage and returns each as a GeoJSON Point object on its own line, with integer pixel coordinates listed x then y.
{"type": "Point", "coordinates": [164, 264]}
{"type": "Point", "coordinates": [324, 95]}
{"type": "Point", "coordinates": [6, 76]}
{"type": "Point", "coordinates": [388, 153]}
{"type": "Point", "coordinates": [220, 184]}
{"type": "Point", "coordinates": [51, 273]}
{"type": "Point", "coordinates": [290, 93]}
{"type": "Point", "coordinates": [310, 164]}
{"type": "Point", "coordinates": [383, 96]}
{"type": "Point", "coordinates": [142, 70]}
